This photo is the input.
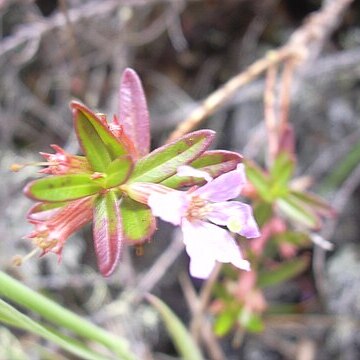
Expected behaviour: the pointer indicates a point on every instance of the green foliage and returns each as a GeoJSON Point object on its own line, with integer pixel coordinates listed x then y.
{"type": "Point", "coordinates": [99, 145]}
{"type": "Point", "coordinates": [57, 315]}
{"type": "Point", "coordinates": [225, 321]}
{"type": "Point", "coordinates": [283, 272]}
{"type": "Point", "coordinates": [138, 221]}
{"type": "Point", "coordinates": [118, 171]}
{"type": "Point", "coordinates": [63, 187]}
{"type": "Point", "coordinates": [14, 318]}
{"type": "Point", "coordinates": [250, 321]}
{"type": "Point", "coordinates": [163, 162]}
{"type": "Point", "coordinates": [183, 341]}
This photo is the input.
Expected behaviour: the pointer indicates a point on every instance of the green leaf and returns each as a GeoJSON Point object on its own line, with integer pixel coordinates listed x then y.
{"type": "Point", "coordinates": [263, 212]}
{"type": "Point", "coordinates": [282, 272]}
{"type": "Point", "coordinates": [164, 161]}
{"type": "Point", "coordinates": [215, 163]}
{"type": "Point", "coordinates": [63, 187]}
{"type": "Point", "coordinates": [12, 317]}
{"type": "Point", "coordinates": [298, 212]}
{"type": "Point", "coordinates": [99, 145]}
{"type": "Point", "coordinates": [314, 202]}
{"type": "Point", "coordinates": [250, 321]}
{"type": "Point", "coordinates": [342, 169]}
{"type": "Point", "coordinates": [224, 322]}
{"type": "Point", "coordinates": [182, 339]}
{"type": "Point", "coordinates": [138, 222]}
{"type": "Point", "coordinates": [107, 232]}
{"type": "Point", "coordinates": [259, 180]}
{"type": "Point", "coordinates": [118, 171]}
{"type": "Point", "coordinates": [22, 295]}
{"type": "Point", "coordinates": [293, 237]}
{"type": "Point", "coordinates": [282, 169]}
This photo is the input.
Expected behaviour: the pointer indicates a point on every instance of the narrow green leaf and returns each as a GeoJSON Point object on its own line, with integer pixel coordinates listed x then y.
{"type": "Point", "coordinates": [91, 143]}
{"type": "Point", "coordinates": [259, 180]}
{"type": "Point", "coordinates": [315, 202]}
{"type": "Point", "coordinates": [118, 171]}
{"type": "Point", "coordinates": [138, 222]}
{"type": "Point", "coordinates": [263, 212]}
{"type": "Point", "coordinates": [298, 212]}
{"type": "Point", "coordinates": [99, 145]}
{"type": "Point", "coordinates": [182, 339]}
{"type": "Point", "coordinates": [342, 169]}
{"type": "Point", "coordinates": [107, 232]}
{"type": "Point", "coordinates": [164, 161]}
{"type": "Point", "coordinates": [215, 163]}
{"type": "Point", "coordinates": [12, 317]}
{"type": "Point", "coordinates": [293, 237]}
{"type": "Point", "coordinates": [283, 272]}
{"type": "Point", "coordinates": [250, 321]}
{"type": "Point", "coordinates": [282, 169]}
{"type": "Point", "coordinates": [224, 322]}
{"type": "Point", "coordinates": [62, 187]}
{"type": "Point", "coordinates": [22, 295]}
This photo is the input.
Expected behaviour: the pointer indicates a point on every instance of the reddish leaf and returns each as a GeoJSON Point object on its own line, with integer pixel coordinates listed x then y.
{"type": "Point", "coordinates": [107, 231]}
{"type": "Point", "coordinates": [133, 112]}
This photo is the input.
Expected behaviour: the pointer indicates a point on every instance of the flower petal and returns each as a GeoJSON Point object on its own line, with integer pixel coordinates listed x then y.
{"type": "Point", "coordinates": [206, 243]}
{"type": "Point", "coordinates": [237, 216]}
{"type": "Point", "coordinates": [224, 187]}
{"type": "Point", "coordinates": [186, 170]}
{"type": "Point", "coordinates": [170, 207]}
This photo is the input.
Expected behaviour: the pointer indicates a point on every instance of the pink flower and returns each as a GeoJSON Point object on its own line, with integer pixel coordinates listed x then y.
{"type": "Point", "coordinates": [199, 211]}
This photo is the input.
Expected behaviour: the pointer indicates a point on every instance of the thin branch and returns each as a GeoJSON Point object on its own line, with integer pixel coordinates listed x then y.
{"type": "Point", "coordinates": [302, 45]}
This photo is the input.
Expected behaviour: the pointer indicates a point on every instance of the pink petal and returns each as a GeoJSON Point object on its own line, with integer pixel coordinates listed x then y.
{"type": "Point", "coordinates": [223, 212]}
{"type": "Point", "coordinates": [186, 170]}
{"type": "Point", "coordinates": [206, 243]}
{"type": "Point", "coordinates": [224, 187]}
{"type": "Point", "coordinates": [170, 207]}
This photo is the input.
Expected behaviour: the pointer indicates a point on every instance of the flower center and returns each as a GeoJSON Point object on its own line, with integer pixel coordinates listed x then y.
{"type": "Point", "coordinates": [198, 209]}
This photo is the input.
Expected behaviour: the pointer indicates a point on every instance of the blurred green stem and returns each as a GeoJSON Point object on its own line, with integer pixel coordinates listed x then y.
{"type": "Point", "coordinates": [56, 314]}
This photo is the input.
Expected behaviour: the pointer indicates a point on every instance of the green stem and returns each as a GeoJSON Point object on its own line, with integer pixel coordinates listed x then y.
{"type": "Point", "coordinates": [48, 309]}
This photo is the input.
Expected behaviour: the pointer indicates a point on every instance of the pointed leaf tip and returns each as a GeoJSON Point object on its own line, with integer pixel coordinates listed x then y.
{"type": "Point", "coordinates": [107, 231]}
{"type": "Point", "coordinates": [98, 143]}
{"type": "Point", "coordinates": [133, 111]}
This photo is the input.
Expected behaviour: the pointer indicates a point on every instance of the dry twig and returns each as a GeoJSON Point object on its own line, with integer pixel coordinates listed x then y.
{"type": "Point", "coordinates": [302, 45]}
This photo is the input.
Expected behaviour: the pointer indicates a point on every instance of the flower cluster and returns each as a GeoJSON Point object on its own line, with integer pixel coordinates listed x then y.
{"type": "Point", "coordinates": [122, 187]}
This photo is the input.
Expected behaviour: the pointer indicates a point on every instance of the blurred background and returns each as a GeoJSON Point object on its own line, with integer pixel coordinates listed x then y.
{"type": "Point", "coordinates": [54, 51]}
